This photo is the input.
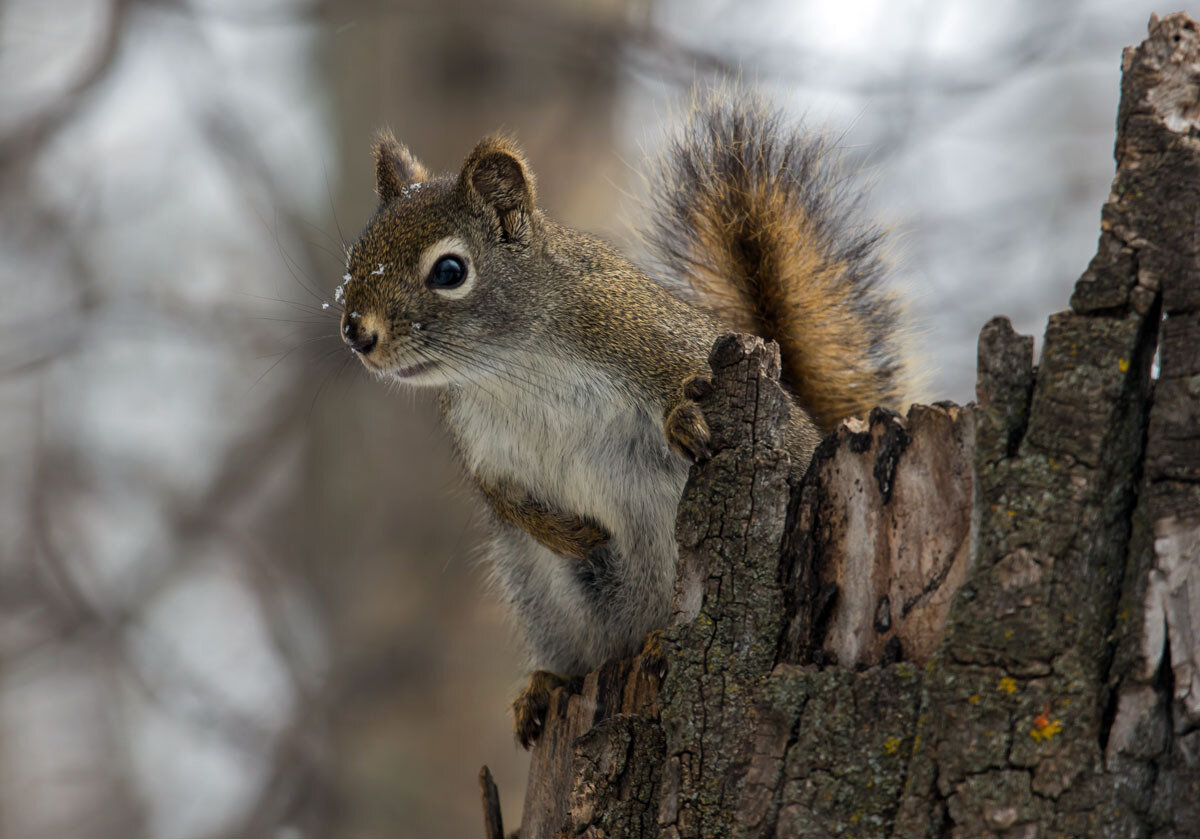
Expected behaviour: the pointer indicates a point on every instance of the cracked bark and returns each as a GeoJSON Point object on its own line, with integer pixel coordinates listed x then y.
{"type": "Point", "coordinates": [970, 621]}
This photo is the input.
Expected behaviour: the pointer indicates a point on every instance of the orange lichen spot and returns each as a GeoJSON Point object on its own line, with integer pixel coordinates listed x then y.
{"type": "Point", "coordinates": [973, 699]}
{"type": "Point", "coordinates": [1008, 685]}
{"type": "Point", "coordinates": [891, 744]}
{"type": "Point", "coordinates": [1012, 513]}
{"type": "Point", "coordinates": [1123, 364]}
{"type": "Point", "coordinates": [1043, 727]}
{"type": "Point", "coordinates": [1043, 719]}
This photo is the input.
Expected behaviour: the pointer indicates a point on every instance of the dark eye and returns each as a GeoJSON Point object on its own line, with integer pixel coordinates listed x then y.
{"type": "Point", "coordinates": [448, 272]}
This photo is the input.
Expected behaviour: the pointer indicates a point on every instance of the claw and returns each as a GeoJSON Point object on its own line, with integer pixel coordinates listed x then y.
{"type": "Point", "coordinates": [530, 706]}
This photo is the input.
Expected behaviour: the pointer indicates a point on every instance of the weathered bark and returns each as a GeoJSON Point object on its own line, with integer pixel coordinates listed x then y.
{"type": "Point", "coordinates": [493, 824]}
{"type": "Point", "coordinates": [977, 621]}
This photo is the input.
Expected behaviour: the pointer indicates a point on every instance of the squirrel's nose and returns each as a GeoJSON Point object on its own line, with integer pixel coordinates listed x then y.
{"type": "Point", "coordinates": [358, 339]}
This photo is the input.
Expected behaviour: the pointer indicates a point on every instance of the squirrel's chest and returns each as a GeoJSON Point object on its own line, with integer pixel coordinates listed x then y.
{"type": "Point", "coordinates": [586, 449]}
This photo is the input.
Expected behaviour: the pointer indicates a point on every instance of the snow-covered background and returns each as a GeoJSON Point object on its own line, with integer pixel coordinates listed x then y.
{"type": "Point", "coordinates": [238, 588]}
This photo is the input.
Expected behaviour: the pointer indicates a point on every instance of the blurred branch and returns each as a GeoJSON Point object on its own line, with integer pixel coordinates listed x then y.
{"type": "Point", "coordinates": [575, 30]}
{"type": "Point", "coordinates": [30, 135]}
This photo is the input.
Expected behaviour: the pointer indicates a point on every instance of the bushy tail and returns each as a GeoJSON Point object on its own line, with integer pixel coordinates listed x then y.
{"type": "Point", "coordinates": [762, 222]}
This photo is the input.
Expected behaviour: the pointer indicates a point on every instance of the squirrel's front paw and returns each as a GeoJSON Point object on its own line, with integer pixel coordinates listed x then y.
{"type": "Point", "coordinates": [530, 707]}
{"type": "Point", "coordinates": [685, 426]}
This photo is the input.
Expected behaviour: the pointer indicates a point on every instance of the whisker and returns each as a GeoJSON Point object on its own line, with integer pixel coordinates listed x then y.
{"type": "Point", "coordinates": [339, 259]}
{"type": "Point", "coordinates": [449, 362]}
{"type": "Point", "coordinates": [333, 211]}
{"type": "Point", "coordinates": [307, 321]}
{"type": "Point", "coordinates": [312, 339]}
{"type": "Point", "coordinates": [508, 359]}
{"type": "Point", "coordinates": [286, 354]}
{"type": "Point", "coordinates": [546, 396]}
{"type": "Point", "coordinates": [292, 264]}
{"type": "Point", "coordinates": [496, 398]}
{"type": "Point", "coordinates": [533, 389]}
{"type": "Point", "coordinates": [337, 371]}
{"type": "Point", "coordinates": [501, 366]}
{"type": "Point", "coordinates": [305, 307]}
{"type": "Point", "coordinates": [471, 348]}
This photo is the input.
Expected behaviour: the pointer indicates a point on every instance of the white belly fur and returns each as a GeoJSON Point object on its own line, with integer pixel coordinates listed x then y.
{"type": "Point", "coordinates": [580, 445]}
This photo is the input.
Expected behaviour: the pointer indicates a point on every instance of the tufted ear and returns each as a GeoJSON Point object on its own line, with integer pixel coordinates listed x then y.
{"type": "Point", "coordinates": [496, 173]}
{"type": "Point", "coordinates": [395, 167]}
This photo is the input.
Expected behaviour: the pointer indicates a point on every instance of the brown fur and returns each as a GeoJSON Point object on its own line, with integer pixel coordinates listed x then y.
{"type": "Point", "coordinates": [497, 172]}
{"type": "Point", "coordinates": [395, 167]}
{"type": "Point", "coordinates": [762, 225]}
{"type": "Point", "coordinates": [568, 536]}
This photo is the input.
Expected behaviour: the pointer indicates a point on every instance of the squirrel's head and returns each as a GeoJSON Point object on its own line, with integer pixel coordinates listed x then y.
{"type": "Point", "coordinates": [438, 283]}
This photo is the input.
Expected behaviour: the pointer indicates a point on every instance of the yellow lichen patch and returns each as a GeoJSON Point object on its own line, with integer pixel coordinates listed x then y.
{"type": "Point", "coordinates": [973, 699]}
{"type": "Point", "coordinates": [1008, 685]}
{"type": "Point", "coordinates": [1123, 364]}
{"type": "Point", "coordinates": [891, 744]}
{"type": "Point", "coordinates": [1008, 633]}
{"type": "Point", "coordinates": [1047, 731]}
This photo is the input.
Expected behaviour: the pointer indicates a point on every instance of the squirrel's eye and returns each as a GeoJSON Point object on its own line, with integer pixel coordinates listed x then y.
{"type": "Point", "coordinates": [448, 272]}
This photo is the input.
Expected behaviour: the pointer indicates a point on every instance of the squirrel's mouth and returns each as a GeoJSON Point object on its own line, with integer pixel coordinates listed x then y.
{"type": "Point", "coordinates": [412, 370]}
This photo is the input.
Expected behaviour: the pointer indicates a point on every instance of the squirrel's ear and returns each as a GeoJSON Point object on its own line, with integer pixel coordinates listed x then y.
{"type": "Point", "coordinates": [395, 167]}
{"type": "Point", "coordinates": [497, 173]}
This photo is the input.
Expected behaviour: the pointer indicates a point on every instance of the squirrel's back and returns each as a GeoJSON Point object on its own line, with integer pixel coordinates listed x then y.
{"type": "Point", "coordinates": [763, 223]}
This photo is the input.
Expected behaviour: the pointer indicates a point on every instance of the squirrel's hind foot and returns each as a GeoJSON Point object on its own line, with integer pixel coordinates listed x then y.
{"type": "Point", "coordinates": [531, 704]}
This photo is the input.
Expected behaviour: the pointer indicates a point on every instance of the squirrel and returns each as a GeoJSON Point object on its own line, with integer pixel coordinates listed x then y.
{"type": "Point", "coordinates": [569, 377]}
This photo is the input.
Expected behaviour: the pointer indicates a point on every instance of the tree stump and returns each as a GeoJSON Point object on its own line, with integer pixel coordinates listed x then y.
{"type": "Point", "coordinates": [970, 621]}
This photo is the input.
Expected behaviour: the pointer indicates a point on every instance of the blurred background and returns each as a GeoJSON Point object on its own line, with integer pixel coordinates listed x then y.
{"type": "Point", "coordinates": [240, 592]}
